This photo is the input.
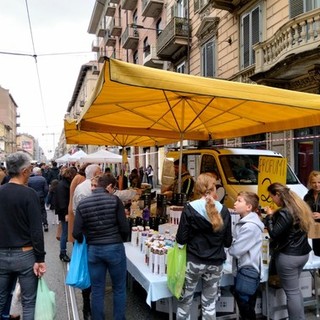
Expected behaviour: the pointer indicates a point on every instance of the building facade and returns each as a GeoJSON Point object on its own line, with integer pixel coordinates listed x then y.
{"type": "Point", "coordinates": [273, 43]}
{"type": "Point", "coordinates": [8, 123]}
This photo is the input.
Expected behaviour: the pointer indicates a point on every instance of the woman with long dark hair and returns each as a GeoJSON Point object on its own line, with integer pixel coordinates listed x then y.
{"type": "Point", "coordinates": [288, 228]}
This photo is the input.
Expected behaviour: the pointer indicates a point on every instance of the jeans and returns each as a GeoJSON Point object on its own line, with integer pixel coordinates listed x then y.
{"type": "Point", "coordinates": [104, 258]}
{"type": "Point", "coordinates": [14, 262]}
{"type": "Point", "coordinates": [289, 269]}
{"type": "Point", "coordinates": [245, 291]}
{"type": "Point", "coordinates": [64, 237]}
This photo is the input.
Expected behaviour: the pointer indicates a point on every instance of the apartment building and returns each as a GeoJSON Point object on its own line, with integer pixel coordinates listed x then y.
{"type": "Point", "coordinates": [8, 123]}
{"type": "Point", "coordinates": [268, 42]}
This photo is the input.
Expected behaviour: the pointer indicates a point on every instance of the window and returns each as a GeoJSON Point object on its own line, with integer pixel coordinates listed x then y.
{"type": "Point", "coordinates": [180, 9]}
{"type": "Point", "coordinates": [146, 47]}
{"type": "Point", "coordinates": [158, 27]}
{"type": "Point", "coordinates": [135, 58]}
{"type": "Point", "coordinates": [250, 34]}
{"type": "Point", "coordinates": [208, 64]}
{"type": "Point", "coordinates": [181, 68]}
{"type": "Point", "coordinates": [301, 6]}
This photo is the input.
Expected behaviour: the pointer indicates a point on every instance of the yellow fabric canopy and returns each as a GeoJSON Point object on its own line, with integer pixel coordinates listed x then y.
{"type": "Point", "coordinates": [112, 137]}
{"type": "Point", "coordinates": [165, 106]}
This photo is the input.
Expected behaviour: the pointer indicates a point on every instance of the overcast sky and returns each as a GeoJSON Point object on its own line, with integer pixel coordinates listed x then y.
{"type": "Point", "coordinates": [58, 26]}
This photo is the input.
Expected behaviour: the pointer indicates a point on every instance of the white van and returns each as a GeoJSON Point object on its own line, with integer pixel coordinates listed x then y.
{"type": "Point", "coordinates": [237, 168]}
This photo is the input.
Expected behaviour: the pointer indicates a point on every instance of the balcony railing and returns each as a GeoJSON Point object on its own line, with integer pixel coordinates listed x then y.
{"type": "Point", "coordinates": [109, 40]}
{"type": "Point", "coordinates": [174, 37]}
{"type": "Point", "coordinates": [150, 58]}
{"type": "Point", "coordinates": [130, 38]}
{"type": "Point", "coordinates": [297, 35]}
{"type": "Point", "coordinates": [115, 27]}
{"type": "Point", "coordinates": [95, 45]}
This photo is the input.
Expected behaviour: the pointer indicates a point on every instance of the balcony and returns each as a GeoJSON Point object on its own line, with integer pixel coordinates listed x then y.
{"type": "Point", "coordinates": [173, 41]}
{"type": "Point", "coordinates": [115, 28]}
{"type": "Point", "coordinates": [130, 38]}
{"type": "Point", "coordinates": [95, 45]}
{"type": "Point", "coordinates": [111, 10]}
{"type": "Point", "coordinates": [101, 55]}
{"type": "Point", "coordinates": [292, 50]}
{"type": "Point", "coordinates": [101, 32]}
{"type": "Point", "coordinates": [152, 8]}
{"type": "Point", "coordinates": [229, 5]}
{"type": "Point", "coordinates": [128, 4]}
{"type": "Point", "coordinates": [150, 58]}
{"type": "Point", "coordinates": [109, 40]}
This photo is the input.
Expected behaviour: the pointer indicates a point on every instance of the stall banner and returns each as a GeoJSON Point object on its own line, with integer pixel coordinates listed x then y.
{"type": "Point", "coordinates": [271, 170]}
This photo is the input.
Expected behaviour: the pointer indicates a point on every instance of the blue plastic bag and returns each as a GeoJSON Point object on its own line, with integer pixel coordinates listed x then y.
{"type": "Point", "coordinates": [45, 302]}
{"type": "Point", "coordinates": [78, 273]}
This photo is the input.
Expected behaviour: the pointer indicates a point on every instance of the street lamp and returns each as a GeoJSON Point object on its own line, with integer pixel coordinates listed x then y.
{"type": "Point", "coordinates": [140, 26]}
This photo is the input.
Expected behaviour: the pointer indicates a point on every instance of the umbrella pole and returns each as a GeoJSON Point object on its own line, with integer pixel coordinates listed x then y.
{"type": "Point", "coordinates": [180, 163]}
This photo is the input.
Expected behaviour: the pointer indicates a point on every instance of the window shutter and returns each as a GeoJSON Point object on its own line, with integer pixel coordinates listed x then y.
{"type": "Point", "coordinates": [246, 40]}
{"type": "Point", "coordinates": [196, 5]}
{"type": "Point", "coordinates": [255, 30]}
{"type": "Point", "coordinates": [296, 8]}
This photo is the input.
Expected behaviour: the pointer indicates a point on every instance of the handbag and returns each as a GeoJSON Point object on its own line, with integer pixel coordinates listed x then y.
{"type": "Point", "coordinates": [45, 302]}
{"type": "Point", "coordinates": [176, 269]}
{"type": "Point", "coordinates": [78, 274]}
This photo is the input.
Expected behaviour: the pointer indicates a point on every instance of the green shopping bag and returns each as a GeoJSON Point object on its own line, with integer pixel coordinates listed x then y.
{"type": "Point", "coordinates": [45, 302]}
{"type": "Point", "coordinates": [176, 269]}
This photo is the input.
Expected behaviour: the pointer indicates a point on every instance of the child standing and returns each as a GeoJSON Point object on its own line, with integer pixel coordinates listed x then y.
{"type": "Point", "coordinates": [246, 252]}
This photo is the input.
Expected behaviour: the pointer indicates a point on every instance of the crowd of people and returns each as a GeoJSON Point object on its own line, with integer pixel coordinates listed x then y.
{"type": "Point", "coordinates": [89, 203]}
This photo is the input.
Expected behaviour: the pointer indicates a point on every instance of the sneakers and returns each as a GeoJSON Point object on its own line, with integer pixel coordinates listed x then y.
{"type": "Point", "coordinates": [64, 257]}
{"type": "Point", "coordinates": [45, 227]}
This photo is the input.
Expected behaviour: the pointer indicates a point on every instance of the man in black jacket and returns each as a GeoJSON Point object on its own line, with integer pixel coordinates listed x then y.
{"type": "Point", "coordinates": [40, 185]}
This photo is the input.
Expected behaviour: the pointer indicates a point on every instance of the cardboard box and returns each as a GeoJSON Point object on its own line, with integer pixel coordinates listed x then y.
{"type": "Point", "coordinates": [314, 231]}
{"type": "Point", "coordinates": [277, 304]}
{"type": "Point", "coordinates": [226, 302]}
{"type": "Point", "coordinates": [306, 284]}
{"type": "Point", "coordinates": [258, 308]}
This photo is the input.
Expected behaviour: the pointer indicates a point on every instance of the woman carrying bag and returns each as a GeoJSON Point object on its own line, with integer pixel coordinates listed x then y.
{"type": "Point", "coordinates": [205, 227]}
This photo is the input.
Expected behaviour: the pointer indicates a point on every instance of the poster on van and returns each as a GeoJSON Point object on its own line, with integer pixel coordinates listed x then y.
{"type": "Point", "coordinates": [271, 170]}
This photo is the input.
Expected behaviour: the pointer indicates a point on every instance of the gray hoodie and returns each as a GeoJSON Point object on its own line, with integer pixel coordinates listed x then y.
{"type": "Point", "coordinates": [247, 240]}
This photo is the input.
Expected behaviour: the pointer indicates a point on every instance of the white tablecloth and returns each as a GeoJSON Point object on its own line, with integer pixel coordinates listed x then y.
{"type": "Point", "coordinates": [156, 285]}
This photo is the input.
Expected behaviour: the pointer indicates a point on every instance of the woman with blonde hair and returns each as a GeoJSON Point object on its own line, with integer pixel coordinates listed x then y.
{"type": "Point", "coordinates": [288, 228]}
{"type": "Point", "coordinates": [312, 198]}
{"type": "Point", "coordinates": [205, 227]}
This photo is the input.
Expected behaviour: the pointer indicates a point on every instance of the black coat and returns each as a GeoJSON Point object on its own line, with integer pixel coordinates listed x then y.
{"type": "Point", "coordinates": [286, 236]}
{"type": "Point", "coordinates": [203, 244]}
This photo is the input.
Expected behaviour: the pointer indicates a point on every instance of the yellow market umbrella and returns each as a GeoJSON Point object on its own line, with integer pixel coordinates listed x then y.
{"type": "Point", "coordinates": [140, 101]}
{"type": "Point", "coordinates": [130, 98]}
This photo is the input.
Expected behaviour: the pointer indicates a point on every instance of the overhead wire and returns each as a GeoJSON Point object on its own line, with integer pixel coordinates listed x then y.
{"type": "Point", "coordinates": [36, 64]}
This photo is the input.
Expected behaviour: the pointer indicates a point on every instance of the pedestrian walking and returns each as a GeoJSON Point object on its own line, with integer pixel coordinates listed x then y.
{"type": "Point", "coordinates": [61, 207]}
{"type": "Point", "coordinates": [40, 185]}
{"type": "Point", "coordinates": [22, 251]}
{"type": "Point", "coordinates": [101, 218]}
